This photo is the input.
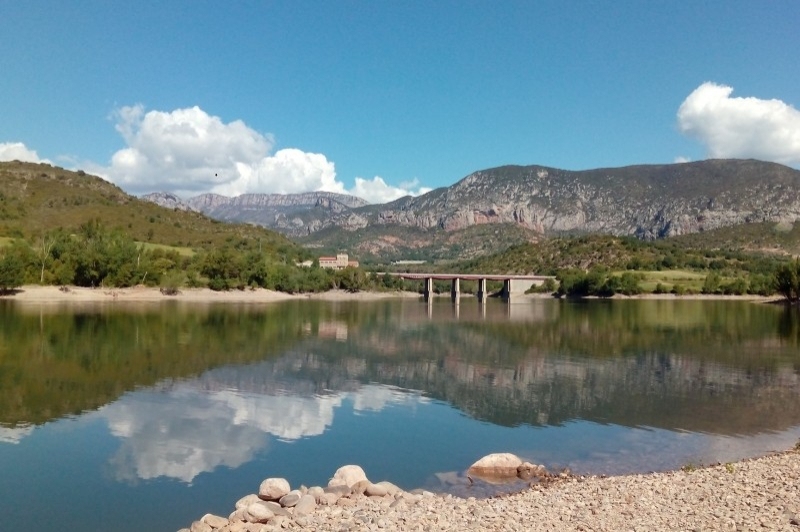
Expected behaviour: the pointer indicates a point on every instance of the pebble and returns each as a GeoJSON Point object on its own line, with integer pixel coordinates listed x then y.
{"type": "Point", "coordinates": [760, 493]}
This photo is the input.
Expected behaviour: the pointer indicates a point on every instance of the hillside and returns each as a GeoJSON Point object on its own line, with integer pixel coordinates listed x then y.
{"type": "Point", "coordinates": [646, 201]}
{"type": "Point", "coordinates": [36, 198]}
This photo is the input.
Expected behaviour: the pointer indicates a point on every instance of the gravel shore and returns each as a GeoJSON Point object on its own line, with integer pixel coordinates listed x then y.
{"type": "Point", "coordinates": [757, 494]}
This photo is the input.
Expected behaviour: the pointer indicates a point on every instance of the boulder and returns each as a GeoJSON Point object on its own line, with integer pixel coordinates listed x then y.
{"type": "Point", "coordinates": [339, 491]}
{"type": "Point", "coordinates": [199, 526]}
{"type": "Point", "coordinates": [273, 489]}
{"type": "Point", "coordinates": [391, 489]}
{"type": "Point", "coordinates": [290, 499]}
{"type": "Point", "coordinates": [350, 474]}
{"type": "Point", "coordinates": [258, 512]}
{"type": "Point", "coordinates": [376, 490]}
{"type": "Point", "coordinates": [214, 521]}
{"type": "Point", "coordinates": [316, 492]}
{"type": "Point", "coordinates": [247, 500]}
{"type": "Point", "coordinates": [496, 466]}
{"type": "Point", "coordinates": [527, 471]}
{"type": "Point", "coordinates": [359, 487]}
{"type": "Point", "coordinates": [305, 505]}
{"type": "Point", "coordinates": [239, 515]}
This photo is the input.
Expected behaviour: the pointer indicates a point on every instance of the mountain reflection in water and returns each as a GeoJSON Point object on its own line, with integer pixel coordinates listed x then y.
{"type": "Point", "coordinates": [186, 389]}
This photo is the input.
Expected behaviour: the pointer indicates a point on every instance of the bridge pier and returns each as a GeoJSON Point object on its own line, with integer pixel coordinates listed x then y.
{"type": "Point", "coordinates": [455, 290]}
{"type": "Point", "coordinates": [427, 289]}
{"type": "Point", "coordinates": [482, 290]}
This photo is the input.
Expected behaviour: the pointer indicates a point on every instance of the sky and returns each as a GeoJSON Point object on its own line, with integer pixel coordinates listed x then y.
{"type": "Point", "coordinates": [386, 98]}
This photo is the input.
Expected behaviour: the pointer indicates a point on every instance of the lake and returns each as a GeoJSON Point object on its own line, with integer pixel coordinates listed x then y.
{"type": "Point", "coordinates": [145, 417]}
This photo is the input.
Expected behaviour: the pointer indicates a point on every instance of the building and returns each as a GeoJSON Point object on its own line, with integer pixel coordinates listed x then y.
{"type": "Point", "coordinates": [339, 262]}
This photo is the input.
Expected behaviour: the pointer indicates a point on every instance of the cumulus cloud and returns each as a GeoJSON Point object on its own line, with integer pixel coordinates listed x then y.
{"type": "Point", "coordinates": [17, 151]}
{"type": "Point", "coordinates": [377, 190]}
{"type": "Point", "coordinates": [188, 152]}
{"type": "Point", "coordinates": [682, 159]}
{"type": "Point", "coordinates": [741, 127]}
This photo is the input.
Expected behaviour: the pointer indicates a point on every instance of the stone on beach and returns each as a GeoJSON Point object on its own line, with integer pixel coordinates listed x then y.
{"type": "Point", "coordinates": [247, 500]}
{"type": "Point", "coordinates": [199, 526]}
{"type": "Point", "coordinates": [496, 465]}
{"type": "Point", "coordinates": [305, 505]}
{"type": "Point", "coordinates": [214, 521]}
{"type": "Point", "coordinates": [258, 512]}
{"type": "Point", "coordinates": [350, 474]}
{"type": "Point", "coordinates": [291, 498]}
{"type": "Point", "coordinates": [273, 489]}
{"type": "Point", "coordinates": [527, 471]}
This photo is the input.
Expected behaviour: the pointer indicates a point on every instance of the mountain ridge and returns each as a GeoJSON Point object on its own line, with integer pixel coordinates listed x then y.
{"type": "Point", "coordinates": [646, 201]}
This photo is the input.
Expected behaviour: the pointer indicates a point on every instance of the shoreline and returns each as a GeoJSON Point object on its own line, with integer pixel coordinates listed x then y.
{"type": "Point", "coordinates": [54, 294]}
{"type": "Point", "coordinates": [754, 493]}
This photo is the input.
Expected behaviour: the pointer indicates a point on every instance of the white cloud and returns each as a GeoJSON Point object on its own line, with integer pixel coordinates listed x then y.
{"type": "Point", "coordinates": [682, 159]}
{"type": "Point", "coordinates": [741, 127]}
{"type": "Point", "coordinates": [17, 151]}
{"type": "Point", "coordinates": [377, 190]}
{"type": "Point", "coordinates": [188, 152]}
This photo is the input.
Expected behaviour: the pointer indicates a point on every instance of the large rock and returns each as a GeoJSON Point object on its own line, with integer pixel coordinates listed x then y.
{"type": "Point", "coordinates": [259, 513]}
{"type": "Point", "coordinates": [305, 505]}
{"type": "Point", "coordinates": [199, 526]}
{"type": "Point", "coordinates": [376, 490]}
{"type": "Point", "coordinates": [214, 521]}
{"type": "Point", "coordinates": [350, 474]}
{"type": "Point", "coordinates": [496, 466]}
{"type": "Point", "coordinates": [247, 500]}
{"type": "Point", "coordinates": [273, 489]}
{"type": "Point", "coordinates": [291, 498]}
{"type": "Point", "coordinates": [527, 471]}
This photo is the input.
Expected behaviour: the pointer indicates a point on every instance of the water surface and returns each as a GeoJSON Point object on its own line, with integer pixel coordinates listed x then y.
{"type": "Point", "coordinates": [149, 416]}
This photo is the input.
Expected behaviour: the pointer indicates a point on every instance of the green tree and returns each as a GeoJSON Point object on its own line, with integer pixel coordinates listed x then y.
{"type": "Point", "coordinates": [12, 272]}
{"type": "Point", "coordinates": [787, 280]}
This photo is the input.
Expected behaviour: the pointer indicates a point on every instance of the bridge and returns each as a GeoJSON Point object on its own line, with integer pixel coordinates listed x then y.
{"type": "Point", "coordinates": [512, 284]}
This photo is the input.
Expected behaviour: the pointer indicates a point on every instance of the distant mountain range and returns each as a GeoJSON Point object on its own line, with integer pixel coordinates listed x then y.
{"type": "Point", "coordinates": [525, 203]}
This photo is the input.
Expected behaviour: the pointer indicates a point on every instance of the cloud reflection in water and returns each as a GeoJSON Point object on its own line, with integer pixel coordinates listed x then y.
{"type": "Point", "coordinates": [185, 431]}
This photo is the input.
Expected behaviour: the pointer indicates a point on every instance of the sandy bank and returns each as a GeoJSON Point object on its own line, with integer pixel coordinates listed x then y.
{"type": "Point", "coordinates": [54, 294]}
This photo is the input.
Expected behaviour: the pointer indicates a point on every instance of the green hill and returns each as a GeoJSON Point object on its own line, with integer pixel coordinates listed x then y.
{"type": "Point", "coordinates": [38, 198]}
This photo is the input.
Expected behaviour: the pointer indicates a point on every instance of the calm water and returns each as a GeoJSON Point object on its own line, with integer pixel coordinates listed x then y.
{"type": "Point", "coordinates": [144, 418]}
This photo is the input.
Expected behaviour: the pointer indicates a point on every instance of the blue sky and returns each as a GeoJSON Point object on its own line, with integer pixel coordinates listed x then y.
{"type": "Point", "coordinates": [381, 98]}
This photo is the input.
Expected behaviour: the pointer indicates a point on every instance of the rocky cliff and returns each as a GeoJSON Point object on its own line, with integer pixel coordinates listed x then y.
{"type": "Point", "coordinates": [647, 201]}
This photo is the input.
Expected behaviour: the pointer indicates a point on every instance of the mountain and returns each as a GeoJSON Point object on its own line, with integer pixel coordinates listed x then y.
{"type": "Point", "coordinates": [36, 198]}
{"type": "Point", "coordinates": [524, 203]}
{"type": "Point", "coordinates": [291, 214]}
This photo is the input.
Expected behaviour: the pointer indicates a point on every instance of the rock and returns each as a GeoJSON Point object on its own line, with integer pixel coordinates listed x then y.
{"type": "Point", "coordinates": [258, 512]}
{"type": "Point", "coordinates": [329, 499]}
{"type": "Point", "coordinates": [273, 489]}
{"type": "Point", "coordinates": [497, 465]}
{"type": "Point", "coordinates": [239, 515]}
{"type": "Point", "coordinates": [350, 474]}
{"type": "Point", "coordinates": [317, 492]}
{"type": "Point", "coordinates": [291, 498]}
{"type": "Point", "coordinates": [340, 491]}
{"type": "Point", "coordinates": [247, 500]}
{"type": "Point", "coordinates": [527, 471]}
{"type": "Point", "coordinates": [199, 526]}
{"type": "Point", "coordinates": [277, 509]}
{"type": "Point", "coordinates": [214, 521]}
{"type": "Point", "coordinates": [391, 489]}
{"type": "Point", "coordinates": [359, 487]}
{"type": "Point", "coordinates": [376, 490]}
{"type": "Point", "coordinates": [305, 505]}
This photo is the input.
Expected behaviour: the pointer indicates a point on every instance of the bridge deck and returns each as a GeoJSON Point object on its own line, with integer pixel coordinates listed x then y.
{"type": "Point", "coordinates": [469, 276]}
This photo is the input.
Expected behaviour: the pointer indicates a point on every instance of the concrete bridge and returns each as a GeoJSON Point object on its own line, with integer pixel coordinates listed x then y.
{"type": "Point", "coordinates": [512, 284]}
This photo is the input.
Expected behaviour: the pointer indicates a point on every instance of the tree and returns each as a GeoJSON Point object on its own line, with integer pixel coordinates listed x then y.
{"type": "Point", "coordinates": [787, 280]}
{"type": "Point", "coordinates": [12, 272]}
